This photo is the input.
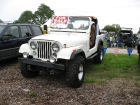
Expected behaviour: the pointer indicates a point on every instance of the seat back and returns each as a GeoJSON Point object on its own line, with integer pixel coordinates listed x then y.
{"type": "Point", "coordinates": [70, 26]}
{"type": "Point", "coordinates": [92, 36]}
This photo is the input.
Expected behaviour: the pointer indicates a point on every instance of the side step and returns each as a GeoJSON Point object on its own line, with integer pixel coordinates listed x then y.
{"type": "Point", "coordinates": [92, 56]}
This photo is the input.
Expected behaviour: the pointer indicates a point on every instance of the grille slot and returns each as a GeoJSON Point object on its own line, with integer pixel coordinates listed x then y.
{"type": "Point", "coordinates": [44, 49]}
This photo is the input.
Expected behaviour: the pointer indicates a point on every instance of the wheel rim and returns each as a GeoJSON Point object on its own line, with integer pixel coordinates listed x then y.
{"type": "Point", "coordinates": [101, 56]}
{"type": "Point", "coordinates": [80, 74]}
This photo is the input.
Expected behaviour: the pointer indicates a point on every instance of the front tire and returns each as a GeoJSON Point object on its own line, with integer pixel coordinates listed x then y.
{"type": "Point", "coordinates": [26, 72]}
{"type": "Point", "coordinates": [76, 72]}
{"type": "Point", "coordinates": [100, 54]}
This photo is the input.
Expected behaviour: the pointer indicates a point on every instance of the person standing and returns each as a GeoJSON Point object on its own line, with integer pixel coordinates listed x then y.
{"type": "Point", "coordinates": [111, 40]}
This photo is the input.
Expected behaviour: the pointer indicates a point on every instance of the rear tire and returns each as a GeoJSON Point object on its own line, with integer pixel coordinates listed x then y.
{"type": "Point", "coordinates": [26, 72]}
{"type": "Point", "coordinates": [75, 72]}
{"type": "Point", "coordinates": [100, 54]}
{"type": "Point", "coordinates": [125, 38]}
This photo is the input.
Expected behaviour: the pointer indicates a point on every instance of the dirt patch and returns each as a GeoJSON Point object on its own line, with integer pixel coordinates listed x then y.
{"type": "Point", "coordinates": [52, 90]}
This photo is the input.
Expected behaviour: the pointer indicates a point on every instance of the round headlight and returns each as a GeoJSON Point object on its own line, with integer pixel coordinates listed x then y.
{"type": "Point", "coordinates": [55, 47]}
{"type": "Point", "coordinates": [33, 45]}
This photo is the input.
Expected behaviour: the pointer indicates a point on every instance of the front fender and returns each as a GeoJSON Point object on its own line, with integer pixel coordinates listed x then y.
{"type": "Point", "coordinates": [66, 53]}
{"type": "Point", "coordinates": [79, 51]}
{"type": "Point", "coordinates": [25, 48]}
{"type": "Point", "coordinates": [100, 43]}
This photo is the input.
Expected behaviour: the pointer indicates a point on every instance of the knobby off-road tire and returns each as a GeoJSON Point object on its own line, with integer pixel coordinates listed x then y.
{"type": "Point", "coordinates": [75, 72]}
{"type": "Point", "coordinates": [100, 54]}
{"type": "Point", "coordinates": [139, 61]}
{"type": "Point", "coordinates": [26, 72]}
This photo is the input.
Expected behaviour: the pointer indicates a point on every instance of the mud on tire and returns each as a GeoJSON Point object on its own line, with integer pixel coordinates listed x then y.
{"type": "Point", "coordinates": [26, 72]}
{"type": "Point", "coordinates": [75, 72]}
{"type": "Point", "coordinates": [100, 54]}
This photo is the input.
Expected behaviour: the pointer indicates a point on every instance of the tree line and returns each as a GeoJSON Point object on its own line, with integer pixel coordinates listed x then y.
{"type": "Point", "coordinates": [112, 28]}
{"type": "Point", "coordinates": [44, 13]}
{"type": "Point", "coordinates": [39, 17]}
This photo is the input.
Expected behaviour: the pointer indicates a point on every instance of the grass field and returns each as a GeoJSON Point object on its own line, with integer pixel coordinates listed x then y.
{"type": "Point", "coordinates": [120, 66]}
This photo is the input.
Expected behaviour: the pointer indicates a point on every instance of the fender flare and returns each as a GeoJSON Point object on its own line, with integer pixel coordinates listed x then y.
{"type": "Point", "coordinates": [100, 43]}
{"type": "Point", "coordinates": [79, 51]}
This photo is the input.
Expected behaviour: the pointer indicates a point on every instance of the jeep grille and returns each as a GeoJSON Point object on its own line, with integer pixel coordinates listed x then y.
{"type": "Point", "coordinates": [44, 49]}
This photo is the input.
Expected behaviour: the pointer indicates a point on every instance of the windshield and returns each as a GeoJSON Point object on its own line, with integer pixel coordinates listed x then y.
{"type": "Point", "coordinates": [65, 22]}
{"type": "Point", "coordinates": [2, 28]}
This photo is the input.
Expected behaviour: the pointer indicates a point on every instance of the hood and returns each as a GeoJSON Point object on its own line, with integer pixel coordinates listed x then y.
{"type": "Point", "coordinates": [70, 39]}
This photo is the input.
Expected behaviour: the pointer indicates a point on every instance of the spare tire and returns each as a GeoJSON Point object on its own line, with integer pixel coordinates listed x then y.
{"type": "Point", "coordinates": [125, 38]}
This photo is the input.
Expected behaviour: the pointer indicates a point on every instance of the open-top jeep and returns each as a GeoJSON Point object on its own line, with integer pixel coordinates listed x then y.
{"type": "Point", "coordinates": [65, 48]}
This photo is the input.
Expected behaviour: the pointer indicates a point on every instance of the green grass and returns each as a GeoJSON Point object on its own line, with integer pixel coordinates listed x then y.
{"type": "Point", "coordinates": [120, 66]}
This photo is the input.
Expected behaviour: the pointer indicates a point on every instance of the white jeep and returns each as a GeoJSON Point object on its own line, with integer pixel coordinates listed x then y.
{"type": "Point", "coordinates": [65, 48]}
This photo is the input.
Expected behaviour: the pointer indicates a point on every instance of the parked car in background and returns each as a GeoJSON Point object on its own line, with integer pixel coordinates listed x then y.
{"type": "Point", "coordinates": [126, 34]}
{"type": "Point", "coordinates": [12, 36]}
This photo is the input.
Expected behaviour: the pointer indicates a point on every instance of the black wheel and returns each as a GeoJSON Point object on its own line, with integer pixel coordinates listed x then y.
{"type": "Point", "coordinates": [100, 54]}
{"type": "Point", "coordinates": [125, 38]}
{"type": "Point", "coordinates": [27, 72]}
{"type": "Point", "coordinates": [139, 60]}
{"type": "Point", "coordinates": [75, 72]}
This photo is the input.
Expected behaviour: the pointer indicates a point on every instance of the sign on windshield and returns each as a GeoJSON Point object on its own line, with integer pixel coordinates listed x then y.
{"type": "Point", "coordinates": [59, 21]}
{"type": "Point", "coordinates": [66, 22]}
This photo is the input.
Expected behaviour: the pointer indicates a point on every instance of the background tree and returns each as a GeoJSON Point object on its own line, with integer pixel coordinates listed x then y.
{"type": "Point", "coordinates": [26, 17]}
{"type": "Point", "coordinates": [43, 14]}
{"type": "Point", "coordinates": [16, 21]}
{"type": "Point", "coordinates": [117, 26]}
{"type": "Point", "coordinates": [112, 28]}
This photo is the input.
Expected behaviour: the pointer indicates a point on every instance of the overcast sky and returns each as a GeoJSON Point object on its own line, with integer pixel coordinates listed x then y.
{"type": "Point", "coordinates": [126, 13]}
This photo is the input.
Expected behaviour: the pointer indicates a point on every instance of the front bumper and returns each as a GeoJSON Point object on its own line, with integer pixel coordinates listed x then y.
{"type": "Point", "coordinates": [41, 63]}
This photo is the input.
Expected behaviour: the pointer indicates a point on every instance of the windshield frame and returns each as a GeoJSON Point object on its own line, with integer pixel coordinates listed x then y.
{"type": "Point", "coordinates": [74, 21]}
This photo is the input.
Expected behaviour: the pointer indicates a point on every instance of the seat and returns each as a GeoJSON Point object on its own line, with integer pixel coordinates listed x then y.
{"type": "Point", "coordinates": [92, 37]}
{"type": "Point", "coordinates": [70, 26]}
{"type": "Point", "coordinates": [82, 27]}
{"type": "Point", "coordinates": [86, 27]}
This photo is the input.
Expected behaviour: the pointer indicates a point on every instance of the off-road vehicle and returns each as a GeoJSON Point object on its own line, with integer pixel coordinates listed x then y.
{"type": "Point", "coordinates": [12, 36]}
{"type": "Point", "coordinates": [126, 34]}
{"type": "Point", "coordinates": [65, 48]}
